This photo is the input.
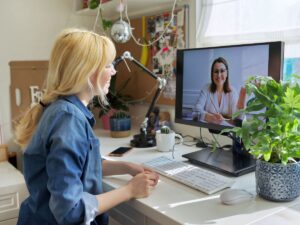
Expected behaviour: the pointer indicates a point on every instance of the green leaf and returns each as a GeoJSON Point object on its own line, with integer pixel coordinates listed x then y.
{"type": "Point", "coordinates": [271, 127]}
{"type": "Point", "coordinates": [93, 4]}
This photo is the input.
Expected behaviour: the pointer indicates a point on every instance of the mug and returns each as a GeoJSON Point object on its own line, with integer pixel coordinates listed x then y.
{"type": "Point", "coordinates": [166, 142]}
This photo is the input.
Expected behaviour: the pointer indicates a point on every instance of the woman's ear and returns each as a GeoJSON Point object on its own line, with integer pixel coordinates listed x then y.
{"type": "Point", "coordinates": [94, 79]}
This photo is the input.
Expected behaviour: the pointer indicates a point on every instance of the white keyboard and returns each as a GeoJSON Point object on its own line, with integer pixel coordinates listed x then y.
{"type": "Point", "coordinates": [190, 175]}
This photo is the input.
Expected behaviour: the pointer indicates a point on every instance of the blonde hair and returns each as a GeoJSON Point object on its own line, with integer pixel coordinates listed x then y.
{"type": "Point", "coordinates": [76, 56]}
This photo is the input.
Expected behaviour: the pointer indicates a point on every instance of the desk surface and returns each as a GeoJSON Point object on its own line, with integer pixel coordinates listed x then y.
{"type": "Point", "coordinates": [174, 203]}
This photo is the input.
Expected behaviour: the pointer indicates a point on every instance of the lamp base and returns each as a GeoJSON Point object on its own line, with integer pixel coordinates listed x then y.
{"type": "Point", "coordinates": [143, 141]}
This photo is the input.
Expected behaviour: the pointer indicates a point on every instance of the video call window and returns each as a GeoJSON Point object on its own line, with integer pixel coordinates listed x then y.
{"type": "Point", "coordinates": [211, 81]}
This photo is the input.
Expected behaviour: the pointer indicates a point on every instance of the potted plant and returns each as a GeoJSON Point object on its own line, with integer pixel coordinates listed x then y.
{"type": "Point", "coordinates": [166, 139]}
{"type": "Point", "coordinates": [271, 133]}
{"type": "Point", "coordinates": [120, 124]}
{"type": "Point", "coordinates": [164, 130]}
{"type": "Point", "coordinates": [116, 99]}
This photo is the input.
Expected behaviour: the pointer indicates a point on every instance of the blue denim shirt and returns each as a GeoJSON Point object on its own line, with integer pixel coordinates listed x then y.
{"type": "Point", "coordinates": [62, 168]}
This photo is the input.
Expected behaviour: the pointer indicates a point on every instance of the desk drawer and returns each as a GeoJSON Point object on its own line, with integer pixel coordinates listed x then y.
{"type": "Point", "coordinates": [10, 201]}
{"type": "Point", "coordinates": [125, 214]}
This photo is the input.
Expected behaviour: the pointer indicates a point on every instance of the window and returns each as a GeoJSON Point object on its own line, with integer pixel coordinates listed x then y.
{"type": "Point", "coordinates": [225, 22]}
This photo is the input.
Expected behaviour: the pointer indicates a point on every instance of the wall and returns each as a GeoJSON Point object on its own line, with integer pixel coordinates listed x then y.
{"type": "Point", "coordinates": [28, 30]}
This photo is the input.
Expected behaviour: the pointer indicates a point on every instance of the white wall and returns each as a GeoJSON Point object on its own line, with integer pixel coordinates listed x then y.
{"type": "Point", "coordinates": [28, 29]}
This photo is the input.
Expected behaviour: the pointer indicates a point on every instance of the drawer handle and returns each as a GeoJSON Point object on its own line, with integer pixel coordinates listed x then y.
{"type": "Point", "coordinates": [18, 96]}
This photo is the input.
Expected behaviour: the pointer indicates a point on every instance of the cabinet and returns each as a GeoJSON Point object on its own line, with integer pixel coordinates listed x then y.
{"type": "Point", "coordinates": [12, 192]}
{"type": "Point", "coordinates": [127, 214]}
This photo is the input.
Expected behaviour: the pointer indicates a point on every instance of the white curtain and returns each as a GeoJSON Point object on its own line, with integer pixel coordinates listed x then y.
{"type": "Point", "coordinates": [225, 22]}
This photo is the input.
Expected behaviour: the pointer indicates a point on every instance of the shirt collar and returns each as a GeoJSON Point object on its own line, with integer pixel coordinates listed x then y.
{"type": "Point", "coordinates": [75, 100]}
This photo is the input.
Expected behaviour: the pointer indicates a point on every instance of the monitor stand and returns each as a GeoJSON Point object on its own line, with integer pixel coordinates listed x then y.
{"type": "Point", "coordinates": [235, 162]}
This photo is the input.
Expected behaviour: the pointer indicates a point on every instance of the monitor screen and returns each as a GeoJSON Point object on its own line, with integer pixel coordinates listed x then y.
{"type": "Point", "coordinates": [210, 88]}
{"type": "Point", "coordinates": [210, 81]}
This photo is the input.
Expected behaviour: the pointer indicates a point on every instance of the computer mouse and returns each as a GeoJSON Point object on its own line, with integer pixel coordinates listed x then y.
{"type": "Point", "coordinates": [235, 196]}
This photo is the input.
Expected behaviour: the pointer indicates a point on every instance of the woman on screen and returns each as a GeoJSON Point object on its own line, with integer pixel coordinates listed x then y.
{"type": "Point", "coordinates": [218, 100]}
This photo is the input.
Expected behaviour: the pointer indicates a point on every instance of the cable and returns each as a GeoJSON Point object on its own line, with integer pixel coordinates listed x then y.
{"type": "Point", "coordinates": [173, 150]}
{"type": "Point", "coordinates": [98, 13]}
{"type": "Point", "coordinates": [201, 143]}
{"type": "Point", "coordinates": [193, 141]}
{"type": "Point", "coordinates": [215, 141]}
{"type": "Point", "coordinates": [162, 34]}
{"type": "Point", "coordinates": [127, 18]}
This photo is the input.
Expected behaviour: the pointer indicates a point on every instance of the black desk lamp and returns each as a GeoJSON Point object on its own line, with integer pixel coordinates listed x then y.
{"type": "Point", "coordinates": [144, 139]}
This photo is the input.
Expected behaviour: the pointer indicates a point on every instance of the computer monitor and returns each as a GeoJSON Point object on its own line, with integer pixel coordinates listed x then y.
{"type": "Point", "coordinates": [209, 89]}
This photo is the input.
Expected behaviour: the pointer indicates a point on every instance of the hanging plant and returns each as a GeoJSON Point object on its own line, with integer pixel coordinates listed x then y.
{"type": "Point", "coordinates": [106, 24]}
{"type": "Point", "coordinates": [93, 4]}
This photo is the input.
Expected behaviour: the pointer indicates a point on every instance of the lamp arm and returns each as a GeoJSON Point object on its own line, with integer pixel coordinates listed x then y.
{"type": "Point", "coordinates": [161, 84]}
{"type": "Point", "coordinates": [118, 60]}
{"type": "Point", "coordinates": [144, 125]}
{"type": "Point", "coordinates": [127, 55]}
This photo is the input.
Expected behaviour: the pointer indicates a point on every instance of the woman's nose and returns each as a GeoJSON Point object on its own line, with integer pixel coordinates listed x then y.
{"type": "Point", "coordinates": [218, 74]}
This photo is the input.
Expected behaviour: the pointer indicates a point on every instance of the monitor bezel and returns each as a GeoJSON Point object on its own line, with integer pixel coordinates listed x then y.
{"type": "Point", "coordinates": [275, 68]}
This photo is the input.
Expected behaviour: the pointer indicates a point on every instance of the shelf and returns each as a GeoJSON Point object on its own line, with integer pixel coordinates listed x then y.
{"type": "Point", "coordinates": [136, 8]}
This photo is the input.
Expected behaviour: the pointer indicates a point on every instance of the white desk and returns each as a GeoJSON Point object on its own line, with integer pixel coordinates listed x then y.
{"type": "Point", "coordinates": [174, 203]}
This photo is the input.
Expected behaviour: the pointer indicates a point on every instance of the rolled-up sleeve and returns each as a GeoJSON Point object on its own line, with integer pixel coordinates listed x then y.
{"type": "Point", "coordinates": [65, 164]}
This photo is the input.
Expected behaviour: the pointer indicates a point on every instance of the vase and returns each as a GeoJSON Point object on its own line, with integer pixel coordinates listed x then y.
{"type": "Point", "coordinates": [277, 182]}
{"type": "Point", "coordinates": [120, 127]}
{"type": "Point", "coordinates": [105, 119]}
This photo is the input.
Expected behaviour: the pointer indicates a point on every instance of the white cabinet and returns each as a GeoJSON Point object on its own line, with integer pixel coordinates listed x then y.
{"type": "Point", "coordinates": [12, 192]}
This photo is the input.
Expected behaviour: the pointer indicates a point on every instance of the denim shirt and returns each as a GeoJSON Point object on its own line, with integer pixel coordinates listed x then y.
{"type": "Point", "coordinates": [62, 168]}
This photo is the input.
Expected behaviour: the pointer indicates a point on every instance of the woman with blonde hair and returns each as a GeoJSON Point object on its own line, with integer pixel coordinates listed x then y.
{"type": "Point", "coordinates": [62, 163]}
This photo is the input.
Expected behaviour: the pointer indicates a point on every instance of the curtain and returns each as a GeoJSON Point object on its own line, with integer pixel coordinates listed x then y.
{"type": "Point", "coordinates": [228, 21]}
{"type": "Point", "coordinates": [225, 22]}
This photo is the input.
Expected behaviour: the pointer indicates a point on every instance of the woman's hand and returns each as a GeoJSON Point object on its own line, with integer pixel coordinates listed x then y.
{"type": "Point", "coordinates": [242, 98]}
{"type": "Point", "coordinates": [134, 169]}
{"type": "Point", "coordinates": [119, 167]}
{"type": "Point", "coordinates": [140, 185]}
{"type": "Point", "coordinates": [214, 118]}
